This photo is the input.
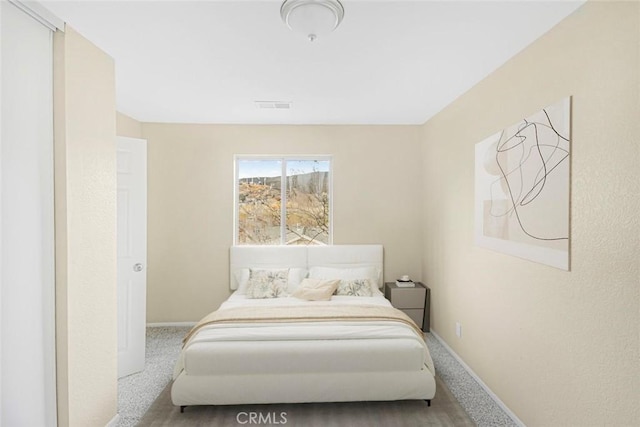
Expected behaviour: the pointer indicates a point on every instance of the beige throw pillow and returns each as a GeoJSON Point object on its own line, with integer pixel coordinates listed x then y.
{"type": "Point", "coordinates": [316, 289]}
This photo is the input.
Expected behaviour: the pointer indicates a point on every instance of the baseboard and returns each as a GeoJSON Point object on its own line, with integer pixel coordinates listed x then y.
{"type": "Point", "coordinates": [114, 421]}
{"type": "Point", "coordinates": [486, 388]}
{"type": "Point", "coordinates": [171, 324]}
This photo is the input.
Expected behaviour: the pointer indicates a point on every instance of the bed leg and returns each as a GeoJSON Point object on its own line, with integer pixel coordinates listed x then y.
{"type": "Point", "coordinates": [428, 402]}
{"type": "Point", "coordinates": [182, 409]}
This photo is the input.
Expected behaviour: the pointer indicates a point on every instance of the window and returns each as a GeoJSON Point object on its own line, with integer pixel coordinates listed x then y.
{"type": "Point", "coordinates": [283, 200]}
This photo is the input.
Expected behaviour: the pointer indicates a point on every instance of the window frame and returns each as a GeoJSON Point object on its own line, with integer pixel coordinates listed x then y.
{"type": "Point", "coordinates": [283, 191]}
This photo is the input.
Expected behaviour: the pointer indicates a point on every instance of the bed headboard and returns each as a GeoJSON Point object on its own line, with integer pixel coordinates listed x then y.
{"type": "Point", "coordinates": [345, 256]}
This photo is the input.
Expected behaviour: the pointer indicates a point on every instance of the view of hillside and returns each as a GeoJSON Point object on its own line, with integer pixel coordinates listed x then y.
{"type": "Point", "coordinates": [307, 209]}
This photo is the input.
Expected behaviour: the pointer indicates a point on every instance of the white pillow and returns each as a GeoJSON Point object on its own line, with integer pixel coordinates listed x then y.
{"type": "Point", "coordinates": [242, 277]}
{"type": "Point", "coordinates": [295, 277]}
{"type": "Point", "coordinates": [372, 273]}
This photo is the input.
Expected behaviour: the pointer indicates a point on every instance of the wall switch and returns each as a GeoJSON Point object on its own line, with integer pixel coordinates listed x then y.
{"type": "Point", "coordinates": [458, 330]}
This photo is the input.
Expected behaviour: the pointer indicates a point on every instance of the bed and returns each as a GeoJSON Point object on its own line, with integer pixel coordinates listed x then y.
{"type": "Point", "coordinates": [287, 349]}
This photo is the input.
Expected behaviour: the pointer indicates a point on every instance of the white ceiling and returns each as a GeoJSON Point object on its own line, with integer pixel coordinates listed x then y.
{"type": "Point", "coordinates": [389, 62]}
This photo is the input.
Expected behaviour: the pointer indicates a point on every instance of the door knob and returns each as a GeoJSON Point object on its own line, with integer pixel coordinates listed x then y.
{"type": "Point", "coordinates": [138, 267]}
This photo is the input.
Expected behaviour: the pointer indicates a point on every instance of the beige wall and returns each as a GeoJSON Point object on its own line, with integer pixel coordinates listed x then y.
{"type": "Point", "coordinates": [559, 348]}
{"type": "Point", "coordinates": [85, 174]}
{"type": "Point", "coordinates": [128, 126]}
{"type": "Point", "coordinates": [376, 197]}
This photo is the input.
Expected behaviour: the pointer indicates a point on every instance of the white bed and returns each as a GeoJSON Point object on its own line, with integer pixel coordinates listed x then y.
{"type": "Point", "coordinates": [309, 361]}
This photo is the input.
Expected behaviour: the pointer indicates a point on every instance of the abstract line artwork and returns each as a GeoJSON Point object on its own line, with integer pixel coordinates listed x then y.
{"type": "Point", "coordinates": [522, 187]}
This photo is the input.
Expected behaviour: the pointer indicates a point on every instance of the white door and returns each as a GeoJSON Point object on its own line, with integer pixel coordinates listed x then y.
{"type": "Point", "coordinates": [27, 260]}
{"type": "Point", "coordinates": [132, 254]}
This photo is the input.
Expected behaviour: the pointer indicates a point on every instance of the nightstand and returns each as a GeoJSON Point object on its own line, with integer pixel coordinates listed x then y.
{"type": "Point", "coordinates": [413, 301]}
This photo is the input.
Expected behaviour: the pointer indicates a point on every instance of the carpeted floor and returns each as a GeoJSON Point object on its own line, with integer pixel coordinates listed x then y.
{"type": "Point", "coordinates": [457, 394]}
{"type": "Point", "coordinates": [484, 411]}
{"type": "Point", "coordinates": [137, 392]}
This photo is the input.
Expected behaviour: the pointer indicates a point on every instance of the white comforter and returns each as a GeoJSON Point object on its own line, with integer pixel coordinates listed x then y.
{"type": "Point", "coordinates": [286, 347]}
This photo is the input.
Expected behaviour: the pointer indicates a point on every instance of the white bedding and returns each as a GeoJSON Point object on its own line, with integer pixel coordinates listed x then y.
{"type": "Point", "coordinates": [309, 347]}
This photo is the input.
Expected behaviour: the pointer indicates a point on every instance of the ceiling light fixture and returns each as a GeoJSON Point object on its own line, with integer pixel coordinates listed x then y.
{"type": "Point", "coordinates": [313, 18]}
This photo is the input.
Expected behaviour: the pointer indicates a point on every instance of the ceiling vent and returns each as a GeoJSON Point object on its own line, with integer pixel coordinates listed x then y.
{"type": "Point", "coordinates": [271, 105]}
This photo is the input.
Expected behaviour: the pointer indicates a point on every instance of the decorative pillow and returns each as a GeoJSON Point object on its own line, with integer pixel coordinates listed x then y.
{"type": "Point", "coordinates": [355, 288]}
{"type": "Point", "coordinates": [294, 277]}
{"type": "Point", "coordinates": [316, 289]}
{"type": "Point", "coordinates": [267, 283]}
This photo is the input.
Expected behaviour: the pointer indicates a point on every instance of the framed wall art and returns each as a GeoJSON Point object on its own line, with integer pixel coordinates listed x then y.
{"type": "Point", "coordinates": [522, 187]}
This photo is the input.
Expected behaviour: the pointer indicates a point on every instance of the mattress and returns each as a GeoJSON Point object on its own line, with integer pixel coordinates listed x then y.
{"type": "Point", "coordinates": [340, 347]}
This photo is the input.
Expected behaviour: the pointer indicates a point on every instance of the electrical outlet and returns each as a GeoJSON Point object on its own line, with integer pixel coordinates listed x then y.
{"type": "Point", "coordinates": [458, 330]}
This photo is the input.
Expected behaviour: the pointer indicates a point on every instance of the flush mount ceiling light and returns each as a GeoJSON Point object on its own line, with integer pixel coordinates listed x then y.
{"type": "Point", "coordinates": [312, 18]}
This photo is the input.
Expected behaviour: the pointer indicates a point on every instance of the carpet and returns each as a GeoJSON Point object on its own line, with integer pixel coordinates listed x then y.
{"type": "Point", "coordinates": [444, 411]}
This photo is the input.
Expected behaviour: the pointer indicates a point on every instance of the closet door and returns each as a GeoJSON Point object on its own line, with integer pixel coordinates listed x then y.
{"type": "Point", "coordinates": [27, 295]}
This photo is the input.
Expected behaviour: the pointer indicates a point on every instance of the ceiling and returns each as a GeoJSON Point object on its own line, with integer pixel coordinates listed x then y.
{"type": "Point", "coordinates": [389, 62]}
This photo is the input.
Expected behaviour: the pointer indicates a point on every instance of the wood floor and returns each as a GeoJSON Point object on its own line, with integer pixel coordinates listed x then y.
{"type": "Point", "coordinates": [444, 411]}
